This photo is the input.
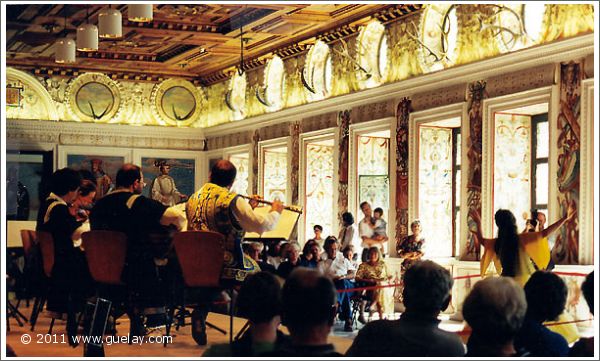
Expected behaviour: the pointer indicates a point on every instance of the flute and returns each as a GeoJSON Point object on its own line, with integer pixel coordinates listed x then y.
{"type": "Point", "coordinates": [289, 208]}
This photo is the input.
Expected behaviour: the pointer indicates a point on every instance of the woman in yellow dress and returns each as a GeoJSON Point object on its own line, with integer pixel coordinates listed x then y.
{"type": "Point", "coordinates": [373, 272]}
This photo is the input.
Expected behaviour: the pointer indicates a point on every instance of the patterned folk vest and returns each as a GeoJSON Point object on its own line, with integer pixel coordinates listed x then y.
{"type": "Point", "coordinates": [210, 209]}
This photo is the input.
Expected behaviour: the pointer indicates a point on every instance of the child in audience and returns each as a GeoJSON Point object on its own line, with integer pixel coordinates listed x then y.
{"type": "Point", "coordinates": [379, 228]}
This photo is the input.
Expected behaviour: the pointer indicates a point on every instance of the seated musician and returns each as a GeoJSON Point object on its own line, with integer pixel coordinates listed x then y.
{"type": "Point", "coordinates": [215, 208]}
{"type": "Point", "coordinates": [126, 210]}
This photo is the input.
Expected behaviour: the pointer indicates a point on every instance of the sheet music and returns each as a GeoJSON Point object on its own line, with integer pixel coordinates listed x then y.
{"type": "Point", "coordinates": [284, 227]}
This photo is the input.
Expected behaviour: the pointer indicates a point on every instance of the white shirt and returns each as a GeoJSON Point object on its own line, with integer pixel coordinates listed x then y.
{"type": "Point", "coordinates": [349, 235]}
{"type": "Point", "coordinates": [251, 221]}
{"type": "Point", "coordinates": [365, 230]}
{"type": "Point", "coordinates": [337, 267]}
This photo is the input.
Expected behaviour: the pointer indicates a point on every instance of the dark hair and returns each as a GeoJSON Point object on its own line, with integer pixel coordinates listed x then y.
{"type": "Point", "coordinates": [64, 181]}
{"type": "Point", "coordinates": [347, 249]}
{"type": "Point", "coordinates": [308, 300]}
{"type": "Point", "coordinates": [87, 175]}
{"type": "Point", "coordinates": [318, 226]}
{"type": "Point", "coordinates": [127, 175]}
{"type": "Point", "coordinates": [427, 287]}
{"type": "Point", "coordinates": [329, 241]}
{"type": "Point", "coordinates": [362, 204]}
{"type": "Point", "coordinates": [307, 246]}
{"type": "Point", "coordinates": [348, 218]}
{"type": "Point", "coordinates": [546, 295]}
{"type": "Point", "coordinates": [86, 187]}
{"type": "Point", "coordinates": [374, 249]}
{"type": "Point", "coordinates": [378, 210]}
{"type": "Point", "coordinates": [259, 299]}
{"type": "Point", "coordinates": [223, 173]}
{"type": "Point", "coordinates": [587, 288]}
{"type": "Point", "coordinates": [507, 244]}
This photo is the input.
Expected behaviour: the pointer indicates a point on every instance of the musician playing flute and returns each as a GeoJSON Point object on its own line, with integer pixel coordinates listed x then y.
{"type": "Point", "coordinates": [215, 208]}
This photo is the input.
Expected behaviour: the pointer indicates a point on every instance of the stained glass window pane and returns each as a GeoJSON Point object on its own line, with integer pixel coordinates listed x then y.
{"type": "Point", "coordinates": [241, 162]}
{"type": "Point", "coordinates": [512, 165]}
{"type": "Point", "coordinates": [543, 140]}
{"type": "Point", "coordinates": [275, 174]}
{"type": "Point", "coordinates": [458, 148]}
{"type": "Point", "coordinates": [373, 175]}
{"type": "Point", "coordinates": [319, 187]}
{"type": "Point", "coordinates": [541, 183]}
{"type": "Point", "coordinates": [457, 190]}
{"type": "Point", "coordinates": [435, 190]}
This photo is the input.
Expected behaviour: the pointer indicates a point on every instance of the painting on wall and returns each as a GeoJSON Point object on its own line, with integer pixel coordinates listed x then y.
{"type": "Point", "coordinates": [103, 169]}
{"type": "Point", "coordinates": [26, 186]}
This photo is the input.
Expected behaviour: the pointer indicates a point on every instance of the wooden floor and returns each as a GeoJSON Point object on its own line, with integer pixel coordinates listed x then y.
{"type": "Point", "coordinates": [182, 343]}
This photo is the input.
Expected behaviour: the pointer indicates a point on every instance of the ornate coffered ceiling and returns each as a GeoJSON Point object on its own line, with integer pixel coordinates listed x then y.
{"type": "Point", "coordinates": [198, 42]}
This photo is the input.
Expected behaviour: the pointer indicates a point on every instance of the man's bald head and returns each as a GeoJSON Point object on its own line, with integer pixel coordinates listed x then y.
{"type": "Point", "coordinates": [223, 173]}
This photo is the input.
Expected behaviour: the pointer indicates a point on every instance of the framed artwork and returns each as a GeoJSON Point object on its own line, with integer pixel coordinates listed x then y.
{"type": "Point", "coordinates": [170, 176]}
{"type": "Point", "coordinates": [374, 189]}
{"type": "Point", "coordinates": [177, 102]}
{"type": "Point", "coordinates": [94, 97]}
{"type": "Point", "coordinates": [101, 163]}
{"type": "Point", "coordinates": [26, 183]}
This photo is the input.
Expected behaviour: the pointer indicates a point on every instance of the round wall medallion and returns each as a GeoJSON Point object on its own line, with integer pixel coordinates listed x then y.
{"type": "Point", "coordinates": [316, 75]}
{"type": "Point", "coordinates": [176, 102]}
{"type": "Point", "coordinates": [93, 97]}
{"type": "Point", "coordinates": [438, 36]}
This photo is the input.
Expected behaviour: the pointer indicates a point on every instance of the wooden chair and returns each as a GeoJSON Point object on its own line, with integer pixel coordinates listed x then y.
{"type": "Point", "coordinates": [46, 244]}
{"type": "Point", "coordinates": [200, 255]}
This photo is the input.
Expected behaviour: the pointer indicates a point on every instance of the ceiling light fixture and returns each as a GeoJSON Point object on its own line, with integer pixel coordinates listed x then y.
{"type": "Point", "coordinates": [110, 23]}
{"type": "Point", "coordinates": [64, 48]}
{"type": "Point", "coordinates": [87, 35]}
{"type": "Point", "coordinates": [141, 13]}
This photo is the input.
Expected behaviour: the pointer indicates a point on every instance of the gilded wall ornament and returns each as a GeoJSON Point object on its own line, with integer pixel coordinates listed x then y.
{"type": "Point", "coordinates": [235, 98]}
{"type": "Point", "coordinates": [94, 97]}
{"type": "Point", "coordinates": [272, 93]}
{"type": "Point", "coordinates": [437, 36]}
{"type": "Point", "coordinates": [372, 55]}
{"type": "Point", "coordinates": [316, 76]}
{"type": "Point", "coordinates": [176, 102]}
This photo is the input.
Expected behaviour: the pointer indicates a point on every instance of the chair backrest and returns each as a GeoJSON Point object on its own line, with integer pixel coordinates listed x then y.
{"type": "Point", "coordinates": [29, 239]}
{"type": "Point", "coordinates": [200, 255]}
{"type": "Point", "coordinates": [47, 247]}
{"type": "Point", "coordinates": [105, 252]}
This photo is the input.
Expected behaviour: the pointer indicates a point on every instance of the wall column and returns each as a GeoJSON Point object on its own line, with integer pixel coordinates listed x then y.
{"type": "Point", "coordinates": [402, 120]}
{"type": "Point", "coordinates": [343, 123]}
{"type": "Point", "coordinates": [255, 140]}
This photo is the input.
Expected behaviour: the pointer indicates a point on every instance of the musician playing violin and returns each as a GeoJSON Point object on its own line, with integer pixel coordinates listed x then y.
{"type": "Point", "coordinates": [215, 208]}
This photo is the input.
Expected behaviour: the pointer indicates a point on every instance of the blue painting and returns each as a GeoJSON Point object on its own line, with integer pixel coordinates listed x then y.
{"type": "Point", "coordinates": [176, 179]}
{"type": "Point", "coordinates": [103, 169]}
{"type": "Point", "coordinates": [23, 183]}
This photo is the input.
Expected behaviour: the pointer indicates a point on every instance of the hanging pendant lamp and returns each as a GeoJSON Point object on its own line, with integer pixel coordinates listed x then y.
{"type": "Point", "coordinates": [141, 13]}
{"type": "Point", "coordinates": [87, 36]}
{"type": "Point", "coordinates": [64, 48]}
{"type": "Point", "coordinates": [110, 23]}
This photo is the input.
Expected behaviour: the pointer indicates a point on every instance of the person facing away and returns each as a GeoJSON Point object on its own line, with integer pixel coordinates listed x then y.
{"type": "Point", "coordinates": [308, 311]}
{"type": "Point", "coordinates": [495, 310]}
{"type": "Point", "coordinates": [585, 346]}
{"type": "Point", "coordinates": [214, 207]}
{"type": "Point", "coordinates": [126, 210]}
{"type": "Point", "coordinates": [259, 301]}
{"type": "Point", "coordinates": [427, 292]}
{"type": "Point", "coordinates": [546, 295]}
{"type": "Point", "coordinates": [349, 234]}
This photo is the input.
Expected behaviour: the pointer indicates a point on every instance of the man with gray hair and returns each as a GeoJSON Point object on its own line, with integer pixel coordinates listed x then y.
{"type": "Point", "coordinates": [427, 292]}
{"type": "Point", "coordinates": [495, 310]}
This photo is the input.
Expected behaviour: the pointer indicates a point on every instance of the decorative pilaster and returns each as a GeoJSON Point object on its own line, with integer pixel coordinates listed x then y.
{"type": "Point", "coordinates": [344, 141]}
{"type": "Point", "coordinates": [295, 130]}
{"type": "Point", "coordinates": [255, 140]}
{"type": "Point", "coordinates": [471, 250]}
{"type": "Point", "coordinates": [402, 116]}
{"type": "Point", "coordinates": [566, 246]}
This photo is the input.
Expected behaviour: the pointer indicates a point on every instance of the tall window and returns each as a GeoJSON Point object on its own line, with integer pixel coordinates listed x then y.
{"type": "Point", "coordinates": [373, 172]}
{"type": "Point", "coordinates": [539, 159]}
{"type": "Point", "coordinates": [241, 162]}
{"type": "Point", "coordinates": [274, 173]}
{"type": "Point", "coordinates": [319, 186]}
{"type": "Point", "coordinates": [436, 207]}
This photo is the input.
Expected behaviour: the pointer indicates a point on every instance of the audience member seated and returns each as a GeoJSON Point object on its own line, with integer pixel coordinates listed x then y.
{"type": "Point", "coordinates": [341, 271]}
{"type": "Point", "coordinates": [350, 255]}
{"type": "Point", "coordinates": [293, 261]}
{"type": "Point", "coordinates": [277, 253]}
{"type": "Point", "coordinates": [81, 206]}
{"type": "Point", "coordinates": [585, 346]}
{"type": "Point", "coordinates": [427, 292]}
{"type": "Point", "coordinates": [374, 272]}
{"type": "Point", "coordinates": [259, 301]}
{"type": "Point", "coordinates": [311, 255]}
{"type": "Point", "coordinates": [254, 251]}
{"type": "Point", "coordinates": [495, 311]}
{"type": "Point", "coordinates": [309, 309]}
{"type": "Point", "coordinates": [546, 295]}
{"type": "Point", "coordinates": [71, 280]}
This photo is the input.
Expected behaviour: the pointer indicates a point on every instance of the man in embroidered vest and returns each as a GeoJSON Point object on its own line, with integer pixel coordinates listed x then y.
{"type": "Point", "coordinates": [126, 210]}
{"type": "Point", "coordinates": [215, 208]}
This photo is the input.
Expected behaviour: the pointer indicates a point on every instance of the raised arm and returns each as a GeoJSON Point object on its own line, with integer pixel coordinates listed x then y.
{"type": "Point", "coordinates": [571, 212]}
{"type": "Point", "coordinates": [477, 233]}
